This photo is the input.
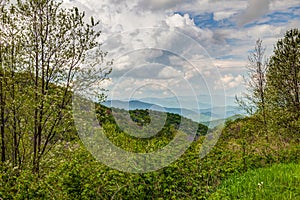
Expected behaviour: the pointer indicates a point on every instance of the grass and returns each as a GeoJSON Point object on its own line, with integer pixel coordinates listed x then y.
{"type": "Point", "coordinates": [281, 181]}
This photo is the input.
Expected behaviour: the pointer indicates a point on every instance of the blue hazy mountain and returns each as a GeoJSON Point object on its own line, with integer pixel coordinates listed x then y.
{"type": "Point", "coordinates": [135, 104]}
{"type": "Point", "coordinates": [174, 102]}
{"type": "Point", "coordinates": [203, 101]}
{"type": "Point", "coordinates": [198, 115]}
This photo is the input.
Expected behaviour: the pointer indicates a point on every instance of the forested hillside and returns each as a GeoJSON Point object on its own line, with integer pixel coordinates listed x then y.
{"type": "Point", "coordinates": [46, 49]}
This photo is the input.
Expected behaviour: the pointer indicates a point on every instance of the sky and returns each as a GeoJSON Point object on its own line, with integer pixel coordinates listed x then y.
{"type": "Point", "coordinates": [163, 48]}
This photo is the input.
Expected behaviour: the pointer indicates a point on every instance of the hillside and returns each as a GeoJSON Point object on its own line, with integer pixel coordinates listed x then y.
{"type": "Point", "coordinates": [142, 118]}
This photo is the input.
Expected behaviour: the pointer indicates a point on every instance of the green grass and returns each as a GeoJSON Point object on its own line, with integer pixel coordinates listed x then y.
{"type": "Point", "coordinates": [280, 181]}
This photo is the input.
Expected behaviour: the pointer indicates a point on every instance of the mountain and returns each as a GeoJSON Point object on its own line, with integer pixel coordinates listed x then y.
{"type": "Point", "coordinates": [175, 102]}
{"type": "Point", "coordinates": [214, 123]}
{"type": "Point", "coordinates": [222, 111]}
{"type": "Point", "coordinates": [135, 104]}
{"type": "Point", "coordinates": [202, 115]}
{"type": "Point", "coordinates": [128, 105]}
{"type": "Point", "coordinates": [192, 102]}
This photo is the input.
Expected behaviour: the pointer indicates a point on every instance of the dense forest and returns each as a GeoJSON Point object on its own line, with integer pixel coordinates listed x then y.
{"type": "Point", "coordinates": [42, 49]}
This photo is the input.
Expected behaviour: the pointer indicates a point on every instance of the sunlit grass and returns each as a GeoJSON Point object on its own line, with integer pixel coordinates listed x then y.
{"type": "Point", "coordinates": [280, 181]}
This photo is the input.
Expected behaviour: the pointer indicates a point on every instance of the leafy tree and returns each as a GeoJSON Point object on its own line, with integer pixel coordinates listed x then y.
{"type": "Point", "coordinates": [283, 79]}
{"type": "Point", "coordinates": [49, 49]}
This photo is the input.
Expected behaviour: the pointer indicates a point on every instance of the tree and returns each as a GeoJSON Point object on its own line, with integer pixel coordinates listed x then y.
{"type": "Point", "coordinates": [50, 48]}
{"type": "Point", "coordinates": [11, 96]}
{"type": "Point", "coordinates": [254, 101]}
{"type": "Point", "coordinates": [2, 101]}
{"type": "Point", "coordinates": [283, 78]}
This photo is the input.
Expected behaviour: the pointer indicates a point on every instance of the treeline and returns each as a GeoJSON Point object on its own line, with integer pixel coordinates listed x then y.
{"type": "Point", "coordinates": [143, 118]}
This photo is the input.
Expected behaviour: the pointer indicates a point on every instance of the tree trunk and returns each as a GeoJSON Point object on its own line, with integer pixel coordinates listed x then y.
{"type": "Point", "coordinates": [2, 108]}
{"type": "Point", "coordinates": [2, 125]}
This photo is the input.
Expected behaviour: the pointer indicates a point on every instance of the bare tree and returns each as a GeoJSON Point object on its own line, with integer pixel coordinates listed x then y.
{"type": "Point", "coordinates": [254, 100]}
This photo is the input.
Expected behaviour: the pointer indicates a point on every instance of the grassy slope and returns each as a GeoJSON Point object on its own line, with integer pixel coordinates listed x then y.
{"type": "Point", "coordinates": [281, 181]}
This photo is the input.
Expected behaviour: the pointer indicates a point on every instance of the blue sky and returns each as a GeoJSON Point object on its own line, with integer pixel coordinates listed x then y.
{"type": "Point", "coordinates": [164, 48]}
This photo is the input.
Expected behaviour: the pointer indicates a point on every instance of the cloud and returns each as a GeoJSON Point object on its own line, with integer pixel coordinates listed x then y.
{"type": "Point", "coordinates": [255, 9]}
{"type": "Point", "coordinates": [230, 63]}
{"type": "Point", "coordinates": [161, 4]}
{"type": "Point", "coordinates": [177, 20]}
{"type": "Point", "coordinates": [229, 81]}
{"type": "Point", "coordinates": [220, 15]}
{"type": "Point", "coordinates": [161, 41]}
{"type": "Point", "coordinates": [169, 72]}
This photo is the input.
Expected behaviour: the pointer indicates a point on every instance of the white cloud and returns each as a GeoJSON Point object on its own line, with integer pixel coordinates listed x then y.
{"type": "Point", "coordinates": [230, 63]}
{"type": "Point", "coordinates": [229, 81]}
{"type": "Point", "coordinates": [131, 28]}
{"type": "Point", "coordinates": [169, 72]}
{"type": "Point", "coordinates": [179, 21]}
{"type": "Point", "coordinates": [220, 15]}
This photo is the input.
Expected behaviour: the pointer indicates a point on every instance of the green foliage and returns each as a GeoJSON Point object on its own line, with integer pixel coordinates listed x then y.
{"type": "Point", "coordinates": [283, 82]}
{"type": "Point", "coordinates": [72, 173]}
{"type": "Point", "coordinates": [42, 50]}
{"type": "Point", "coordinates": [142, 118]}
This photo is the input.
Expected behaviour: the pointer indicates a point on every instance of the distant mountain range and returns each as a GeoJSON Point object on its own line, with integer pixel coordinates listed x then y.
{"type": "Point", "coordinates": [204, 113]}
{"type": "Point", "coordinates": [189, 102]}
